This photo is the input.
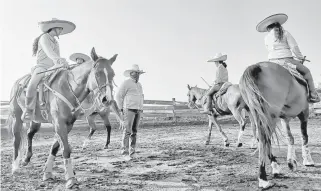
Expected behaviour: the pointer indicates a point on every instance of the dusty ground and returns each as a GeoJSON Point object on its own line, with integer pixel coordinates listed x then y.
{"type": "Point", "coordinates": [169, 158]}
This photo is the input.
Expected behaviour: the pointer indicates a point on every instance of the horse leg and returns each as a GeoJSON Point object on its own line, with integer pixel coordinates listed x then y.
{"type": "Point", "coordinates": [51, 160]}
{"type": "Point", "coordinates": [62, 130]}
{"type": "Point", "coordinates": [225, 139]}
{"type": "Point", "coordinates": [238, 116]}
{"type": "Point", "coordinates": [253, 127]}
{"type": "Point", "coordinates": [17, 140]}
{"type": "Point", "coordinates": [31, 132]}
{"type": "Point", "coordinates": [306, 155]}
{"type": "Point", "coordinates": [104, 115]}
{"type": "Point", "coordinates": [92, 125]}
{"type": "Point", "coordinates": [263, 182]}
{"type": "Point", "coordinates": [210, 126]}
{"type": "Point", "coordinates": [291, 157]}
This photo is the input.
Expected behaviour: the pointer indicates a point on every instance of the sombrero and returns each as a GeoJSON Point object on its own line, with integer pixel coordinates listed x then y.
{"type": "Point", "coordinates": [218, 57]}
{"type": "Point", "coordinates": [277, 18]}
{"type": "Point", "coordinates": [134, 68]}
{"type": "Point", "coordinates": [67, 26]}
{"type": "Point", "coordinates": [74, 56]}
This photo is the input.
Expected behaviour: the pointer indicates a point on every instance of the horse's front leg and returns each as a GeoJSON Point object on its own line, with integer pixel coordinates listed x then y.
{"type": "Point", "coordinates": [210, 126]}
{"type": "Point", "coordinates": [31, 132]}
{"type": "Point", "coordinates": [92, 126]}
{"type": "Point", "coordinates": [62, 131]}
{"type": "Point", "coordinates": [225, 139]}
{"type": "Point", "coordinates": [104, 115]}
{"type": "Point", "coordinates": [306, 153]}
{"type": "Point", "coordinates": [238, 116]}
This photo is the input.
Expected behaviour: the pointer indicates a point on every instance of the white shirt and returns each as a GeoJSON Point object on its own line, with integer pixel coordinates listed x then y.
{"type": "Point", "coordinates": [130, 95]}
{"type": "Point", "coordinates": [221, 75]}
{"type": "Point", "coordinates": [282, 49]}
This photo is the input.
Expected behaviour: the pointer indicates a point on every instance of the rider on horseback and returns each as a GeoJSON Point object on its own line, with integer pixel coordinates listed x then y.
{"type": "Point", "coordinates": [79, 58]}
{"type": "Point", "coordinates": [220, 78]}
{"type": "Point", "coordinates": [281, 45]}
{"type": "Point", "coordinates": [46, 48]}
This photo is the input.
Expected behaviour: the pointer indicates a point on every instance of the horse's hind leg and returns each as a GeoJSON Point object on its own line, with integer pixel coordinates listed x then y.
{"type": "Point", "coordinates": [31, 132]}
{"type": "Point", "coordinates": [210, 126]}
{"type": "Point", "coordinates": [17, 140]}
{"type": "Point", "coordinates": [306, 155]}
{"type": "Point", "coordinates": [92, 126]}
{"type": "Point", "coordinates": [104, 115]}
{"type": "Point", "coordinates": [291, 157]}
{"type": "Point", "coordinates": [238, 116]}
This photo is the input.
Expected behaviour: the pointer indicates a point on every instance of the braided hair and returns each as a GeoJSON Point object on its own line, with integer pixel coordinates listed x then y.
{"type": "Point", "coordinates": [223, 63]}
{"type": "Point", "coordinates": [277, 25]}
{"type": "Point", "coordinates": [35, 43]}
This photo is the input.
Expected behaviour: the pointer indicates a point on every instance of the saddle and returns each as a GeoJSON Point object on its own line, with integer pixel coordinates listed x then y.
{"type": "Point", "coordinates": [219, 105]}
{"type": "Point", "coordinates": [292, 69]}
{"type": "Point", "coordinates": [42, 90]}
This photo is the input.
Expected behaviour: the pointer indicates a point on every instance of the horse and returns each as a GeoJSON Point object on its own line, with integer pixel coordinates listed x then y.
{"type": "Point", "coordinates": [65, 92]}
{"type": "Point", "coordinates": [276, 93]}
{"type": "Point", "coordinates": [95, 110]}
{"type": "Point", "coordinates": [231, 103]}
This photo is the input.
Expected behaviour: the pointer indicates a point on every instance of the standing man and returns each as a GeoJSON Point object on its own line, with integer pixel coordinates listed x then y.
{"type": "Point", "coordinates": [130, 100]}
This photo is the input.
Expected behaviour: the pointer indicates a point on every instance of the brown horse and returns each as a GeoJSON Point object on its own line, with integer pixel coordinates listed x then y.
{"type": "Point", "coordinates": [230, 103]}
{"type": "Point", "coordinates": [64, 96]}
{"type": "Point", "coordinates": [273, 93]}
{"type": "Point", "coordinates": [91, 114]}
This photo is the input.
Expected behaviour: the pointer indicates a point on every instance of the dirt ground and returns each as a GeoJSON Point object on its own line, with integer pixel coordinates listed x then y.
{"type": "Point", "coordinates": [168, 158]}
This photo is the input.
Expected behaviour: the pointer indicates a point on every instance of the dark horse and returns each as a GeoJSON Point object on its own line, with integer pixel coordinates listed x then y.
{"type": "Point", "coordinates": [273, 93]}
{"type": "Point", "coordinates": [64, 96]}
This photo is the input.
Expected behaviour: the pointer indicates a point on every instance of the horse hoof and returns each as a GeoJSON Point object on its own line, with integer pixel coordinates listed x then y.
{"type": "Point", "coordinates": [71, 182]}
{"type": "Point", "coordinates": [227, 144]}
{"type": "Point", "coordinates": [48, 176]}
{"type": "Point", "coordinates": [207, 142]}
{"type": "Point", "coordinates": [292, 165]}
{"type": "Point", "coordinates": [106, 147]}
{"type": "Point", "coordinates": [265, 184]}
{"type": "Point", "coordinates": [240, 145]}
{"type": "Point", "coordinates": [24, 163]}
{"type": "Point", "coordinates": [308, 163]}
{"type": "Point", "coordinates": [15, 168]}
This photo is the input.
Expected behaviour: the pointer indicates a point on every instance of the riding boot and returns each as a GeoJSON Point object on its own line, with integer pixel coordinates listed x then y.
{"type": "Point", "coordinates": [209, 108]}
{"type": "Point", "coordinates": [28, 114]}
{"type": "Point", "coordinates": [314, 97]}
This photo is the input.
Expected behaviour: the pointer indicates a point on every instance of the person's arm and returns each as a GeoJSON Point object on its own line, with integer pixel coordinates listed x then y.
{"type": "Point", "coordinates": [45, 43]}
{"type": "Point", "coordinates": [120, 96]}
{"type": "Point", "coordinates": [293, 45]}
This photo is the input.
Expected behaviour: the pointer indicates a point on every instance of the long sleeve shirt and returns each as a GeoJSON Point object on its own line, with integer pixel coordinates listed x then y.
{"type": "Point", "coordinates": [130, 95]}
{"type": "Point", "coordinates": [221, 75]}
{"type": "Point", "coordinates": [282, 49]}
{"type": "Point", "coordinates": [48, 53]}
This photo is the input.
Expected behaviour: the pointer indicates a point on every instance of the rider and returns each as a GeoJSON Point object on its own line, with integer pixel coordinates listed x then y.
{"type": "Point", "coordinates": [46, 48]}
{"type": "Point", "coordinates": [281, 47]}
{"type": "Point", "coordinates": [220, 78]}
{"type": "Point", "coordinates": [79, 58]}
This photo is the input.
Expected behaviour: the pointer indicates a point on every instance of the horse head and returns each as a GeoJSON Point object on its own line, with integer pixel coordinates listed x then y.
{"type": "Point", "coordinates": [101, 77]}
{"type": "Point", "coordinates": [191, 97]}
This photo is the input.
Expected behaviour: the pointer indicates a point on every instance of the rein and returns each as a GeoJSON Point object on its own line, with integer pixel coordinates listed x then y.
{"type": "Point", "coordinates": [97, 91]}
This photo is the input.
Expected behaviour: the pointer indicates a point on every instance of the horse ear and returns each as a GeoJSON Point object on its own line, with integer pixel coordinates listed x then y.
{"type": "Point", "coordinates": [93, 54]}
{"type": "Point", "coordinates": [189, 87]}
{"type": "Point", "coordinates": [112, 59]}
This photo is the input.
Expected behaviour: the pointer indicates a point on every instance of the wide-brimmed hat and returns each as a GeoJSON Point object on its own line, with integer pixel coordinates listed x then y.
{"type": "Point", "coordinates": [218, 57]}
{"type": "Point", "coordinates": [67, 26]}
{"type": "Point", "coordinates": [74, 56]}
{"type": "Point", "coordinates": [277, 18]}
{"type": "Point", "coordinates": [134, 68]}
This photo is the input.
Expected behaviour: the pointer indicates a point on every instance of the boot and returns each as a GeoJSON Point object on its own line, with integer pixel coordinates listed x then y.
{"type": "Point", "coordinates": [314, 97]}
{"type": "Point", "coordinates": [208, 110]}
{"type": "Point", "coordinates": [28, 114]}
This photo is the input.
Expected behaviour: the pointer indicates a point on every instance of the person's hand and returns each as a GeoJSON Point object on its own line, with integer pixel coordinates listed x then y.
{"type": "Point", "coordinates": [63, 63]}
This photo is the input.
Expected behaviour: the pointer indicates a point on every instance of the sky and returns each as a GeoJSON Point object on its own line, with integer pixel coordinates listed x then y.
{"type": "Point", "coordinates": [171, 40]}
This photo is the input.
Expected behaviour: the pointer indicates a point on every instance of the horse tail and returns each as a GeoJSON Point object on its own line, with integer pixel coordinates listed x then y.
{"type": "Point", "coordinates": [259, 108]}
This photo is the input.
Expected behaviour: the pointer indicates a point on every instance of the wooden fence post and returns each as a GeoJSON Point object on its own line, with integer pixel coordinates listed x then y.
{"type": "Point", "coordinates": [174, 113]}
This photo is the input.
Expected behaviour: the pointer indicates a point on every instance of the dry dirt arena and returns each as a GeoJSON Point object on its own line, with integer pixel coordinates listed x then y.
{"type": "Point", "coordinates": [169, 157]}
